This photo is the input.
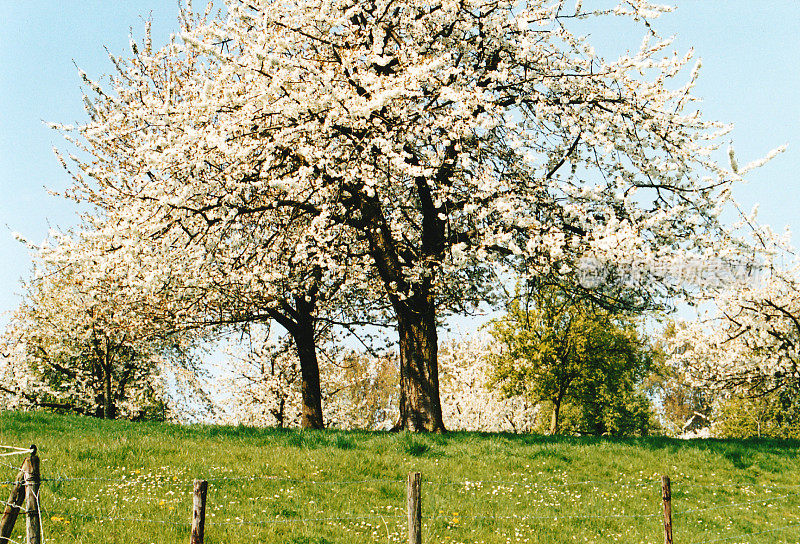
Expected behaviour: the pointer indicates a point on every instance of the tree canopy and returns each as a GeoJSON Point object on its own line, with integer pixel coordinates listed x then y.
{"type": "Point", "coordinates": [558, 350]}
{"type": "Point", "coordinates": [81, 341]}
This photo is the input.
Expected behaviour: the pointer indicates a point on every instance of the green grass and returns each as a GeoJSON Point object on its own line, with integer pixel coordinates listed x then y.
{"type": "Point", "coordinates": [289, 486]}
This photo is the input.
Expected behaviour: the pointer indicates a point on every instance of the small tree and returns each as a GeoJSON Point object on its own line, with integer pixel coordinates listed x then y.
{"type": "Point", "coordinates": [82, 342]}
{"type": "Point", "coordinates": [262, 384]}
{"type": "Point", "coordinates": [774, 414]}
{"type": "Point", "coordinates": [560, 350]}
{"type": "Point", "coordinates": [676, 394]}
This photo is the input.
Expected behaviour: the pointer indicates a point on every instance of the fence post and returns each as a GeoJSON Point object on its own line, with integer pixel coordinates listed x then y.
{"type": "Point", "coordinates": [666, 499]}
{"type": "Point", "coordinates": [33, 525]}
{"type": "Point", "coordinates": [199, 512]}
{"type": "Point", "coordinates": [11, 511]}
{"type": "Point", "coordinates": [414, 506]}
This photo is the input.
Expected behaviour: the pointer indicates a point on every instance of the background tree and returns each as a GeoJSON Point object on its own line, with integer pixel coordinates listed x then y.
{"type": "Point", "coordinates": [470, 402]}
{"type": "Point", "coordinates": [261, 385]}
{"type": "Point", "coordinates": [85, 344]}
{"type": "Point", "coordinates": [282, 281]}
{"type": "Point", "coordinates": [744, 353]}
{"type": "Point", "coordinates": [559, 350]}
{"type": "Point", "coordinates": [363, 390]}
{"type": "Point", "coordinates": [749, 342]}
{"type": "Point", "coordinates": [449, 139]}
{"type": "Point", "coordinates": [774, 414]}
{"type": "Point", "coordinates": [676, 395]}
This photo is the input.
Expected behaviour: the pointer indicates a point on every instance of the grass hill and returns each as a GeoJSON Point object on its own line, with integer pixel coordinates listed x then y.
{"type": "Point", "coordinates": [132, 483]}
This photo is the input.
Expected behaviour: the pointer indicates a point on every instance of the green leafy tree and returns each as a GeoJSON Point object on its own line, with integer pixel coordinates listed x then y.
{"type": "Point", "coordinates": [773, 414]}
{"type": "Point", "coordinates": [563, 352]}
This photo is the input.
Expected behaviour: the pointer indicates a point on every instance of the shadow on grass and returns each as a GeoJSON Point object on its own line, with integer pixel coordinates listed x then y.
{"type": "Point", "coordinates": [739, 452]}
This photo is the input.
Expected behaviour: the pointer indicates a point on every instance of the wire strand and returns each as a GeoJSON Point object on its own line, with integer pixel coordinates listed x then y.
{"type": "Point", "coordinates": [20, 509]}
{"type": "Point", "coordinates": [302, 481]}
{"type": "Point", "coordinates": [17, 451]}
{"type": "Point", "coordinates": [734, 504]}
{"type": "Point", "coordinates": [635, 483]}
{"type": "Point", "coordinates": [10, 466]}
{"type": "Point", "coordinates": [300, 520]}
{"type": "Point", "coordinates": [747, 534]}
{"type": "Point", "coordinates": [554, 516]}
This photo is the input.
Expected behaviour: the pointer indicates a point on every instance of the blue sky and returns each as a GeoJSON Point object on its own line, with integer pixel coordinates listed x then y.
{"type": "Point", "coordinates": [750, 77]}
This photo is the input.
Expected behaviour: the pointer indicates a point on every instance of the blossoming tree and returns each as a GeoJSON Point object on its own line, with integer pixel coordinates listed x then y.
{"type": "Point", "coordinates": [83, 341]}
{"type": "Point", "coordinates": [750, 344]}
{"type": "Point", "coordinates": [448, 139]}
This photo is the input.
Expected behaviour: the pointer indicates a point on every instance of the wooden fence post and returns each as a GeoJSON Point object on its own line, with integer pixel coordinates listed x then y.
{"type": "Point", "coordinates": [11, 511]}
{"type": "Point", "coordinates": [199, 511]}
{"type": "Point", "coordinates": [33, 525]}
{"type": "Point", "coordinates": [666, 499]}
{"type": "Point", "coordinates": [414, 506]}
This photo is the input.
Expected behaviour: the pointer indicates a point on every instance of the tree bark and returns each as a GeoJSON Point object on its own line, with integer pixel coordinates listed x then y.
{"type": "Point", "coordinates": [413, 303]}
{"type": "Point", "coordinates": [303, 336]}
{"type": "Point", "coordinates": [109, 410]}
{"type": "Point", "coordinates": [554, 418]}
{"type": "Point", "coordinates": [420, 406]}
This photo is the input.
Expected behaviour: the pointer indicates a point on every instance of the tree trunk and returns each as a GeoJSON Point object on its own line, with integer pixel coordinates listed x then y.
{"type": "Point", "coordinates": [298, 320]}
{"type": "Point", "coordinates": [554, 417]}
{"type": "Point", "coordinates": [555, 426]}
{"type": "Point", "coordinates": [303, 336]}
{"type": "Point", "coordinates": [109, 411]}
{"type": "Point", "coordinates": [420, 407]}
{"type": "Point", "coordinates": [280, 413]}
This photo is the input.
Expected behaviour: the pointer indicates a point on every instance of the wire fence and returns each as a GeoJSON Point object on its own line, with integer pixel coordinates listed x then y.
{"type": "Point", "coordinates": [315, 510]}
{"type": "Point", "coordinates": [25, 491]}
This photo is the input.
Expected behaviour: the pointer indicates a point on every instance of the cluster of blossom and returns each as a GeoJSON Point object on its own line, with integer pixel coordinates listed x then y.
{"type": "Point", "coordinates": [471, 402]}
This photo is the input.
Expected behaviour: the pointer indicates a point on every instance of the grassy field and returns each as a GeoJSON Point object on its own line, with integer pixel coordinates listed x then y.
{"type": "Point", "coordinates": [268, 485]}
